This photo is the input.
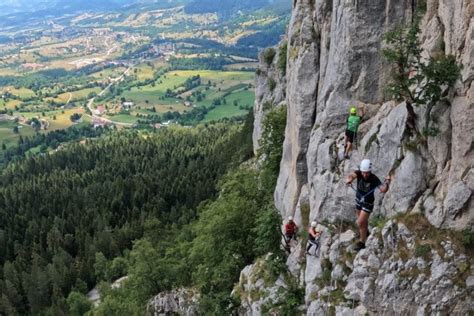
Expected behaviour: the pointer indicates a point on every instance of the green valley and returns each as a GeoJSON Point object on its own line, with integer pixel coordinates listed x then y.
{"type": "Point", "coordinates": [135, 66]}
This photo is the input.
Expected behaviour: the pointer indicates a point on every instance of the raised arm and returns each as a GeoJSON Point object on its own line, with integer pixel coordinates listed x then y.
{"type": "Point", "coordinates": [351, 178]}
{"type": "Point", "coordinates": [385, 185]}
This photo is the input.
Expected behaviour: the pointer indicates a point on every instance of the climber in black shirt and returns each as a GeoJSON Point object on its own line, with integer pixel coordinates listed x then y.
{"type": "Point", "coordinates": [367, 183]}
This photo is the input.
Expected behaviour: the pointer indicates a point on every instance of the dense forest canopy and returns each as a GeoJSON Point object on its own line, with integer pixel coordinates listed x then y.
{"type": "Point", "coordinates": [62, 213]}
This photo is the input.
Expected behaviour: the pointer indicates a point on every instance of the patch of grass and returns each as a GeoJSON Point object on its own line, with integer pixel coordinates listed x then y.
{"type": "Point", "coordinates": [378, 221]}
{"type": "Point", "coordinates": [332, 311]}
{"type": "Point", "coordinates": [124, 118]}
{"type": "Point", "coordinates": [468, 239]}
{"type": "Point", "coordinates": [290, 301]}
{"type": "Point", "coordinates": [325, 279]}
{"type": "Point", "coordinates": [423, 251]}
{"type": "Point", "coordinates": [267, 106]}
{"type": "Point", "coordinates": [246, 100]}
{"type": "Point", "coordinates": [294, 52]}
{"type": "Point", "coordinates": [20, 92]}
{"type": "Point", "coordinates": [76, 95]}
{"type": "Point", "coordinates": [431, 236]}
{"type": "Point", "coordinates": [402, 251]}
{"type": "Point", "coordinates": [409, 274]}
{"type": "Point", "coordinates": [373, 138]}
{"type": "Point", "coordinates": [282, 58]}
{"type": "Point", "coordinates": [271, 84]}
{"type": "Point", "coordinates": [269, 55]}
{"type": "Point", "coordinates": [255, 295]}
{"type": "Point", "coordinates": [347, 256]}
{"type": "Point", "coordinates": [412, 144]}
{"type": "Point", "coordinates": [8, 137]}
{"type": "Point", "coordinates": [273, 267]}
{"type": "Point", "coordinates": [337, 297]}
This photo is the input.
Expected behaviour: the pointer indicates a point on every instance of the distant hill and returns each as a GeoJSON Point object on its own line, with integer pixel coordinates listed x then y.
{"type": "Point", "coordinates": [8, 7]}
{"type": "Point", "coordinates": [228, 7]}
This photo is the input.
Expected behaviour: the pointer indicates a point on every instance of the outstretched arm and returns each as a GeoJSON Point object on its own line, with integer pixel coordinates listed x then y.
{"type": "Point", "coordinates": [385, 185]}
{"type": "Point", "coordinates": [351, 178]}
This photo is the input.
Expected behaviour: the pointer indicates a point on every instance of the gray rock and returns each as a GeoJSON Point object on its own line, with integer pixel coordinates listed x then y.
{"type": "Point", "coordinates": [316, 307]}
{"type": "Point", "coordinates": [334, 62]}
{"type": "Point", "coordinates": [337, 273]}
{"type": "Point", "coordinates": [470, 282]}
{"type": "Point", "coordinates": [438, 266]}
{"type": "Point", "coordinates": [458, 195]}
{"type": "Point", "coordinates": [404, 234]}
{"type": "Point", "coordinates": [179, 301]}
{"type": "Point", "coordinates": [266, 99]}
{"type": "Point", "coordinates": [347, 237]}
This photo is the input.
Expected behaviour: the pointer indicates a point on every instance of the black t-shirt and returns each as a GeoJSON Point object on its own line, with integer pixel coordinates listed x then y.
{"type": "Point", "coordinates": [365, 186]}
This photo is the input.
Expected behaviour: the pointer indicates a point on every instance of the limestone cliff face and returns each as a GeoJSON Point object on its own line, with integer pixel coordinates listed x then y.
{"type": "Point", "coordinates": [270, 89]}
{"type": "Point", "coordinates": [334, 62]}
{"type": "Point", "coordinates": [401, 272]}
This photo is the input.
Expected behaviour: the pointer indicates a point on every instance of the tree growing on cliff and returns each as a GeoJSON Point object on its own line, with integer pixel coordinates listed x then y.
{"type": "Point", "coordinates": [417, 80]}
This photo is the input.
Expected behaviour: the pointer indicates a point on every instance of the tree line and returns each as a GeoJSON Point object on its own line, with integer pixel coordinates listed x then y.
{"type": "Point", "coordinates": [65, 217]}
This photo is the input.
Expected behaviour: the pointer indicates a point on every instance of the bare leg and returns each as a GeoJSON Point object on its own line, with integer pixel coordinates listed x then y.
{"type": "Point", "coordinates": [357, 215]}
{"type": "Point", "coordinates": [348, 149]}
{"type": "Point", "coordinates": [346, 140]}
{"type": "Point", "coordinates": [363, 222]}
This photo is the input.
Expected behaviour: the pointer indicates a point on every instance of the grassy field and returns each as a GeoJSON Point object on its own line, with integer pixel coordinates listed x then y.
{"type": "Point", "coordinates": [243, 98]}
{"type": "Point", "coordinates": [238, 66]}
{"type": "Point", "coordinates": [112, 72]}
{"type": "Point", "coordinates": [8, 137]}
{"type": "Point", "coordinates": [123, 118]}
{"type": "Point", "coordinates": [21, 92]}
{"type": "Point", "coordinates": [215, 75]}
{"type": "Point", "coordinates": [75, 95]}
{"type": "Point", "coordinates": [63, 120]}
{"type": "Point", "coordinates": [8, 72]}
{"type": "Point", "coordinates": [10, 105]}
{"type": "Point", "coordinates": [229, 83]}
{"type": "Point", "coordinates": [143, 72]}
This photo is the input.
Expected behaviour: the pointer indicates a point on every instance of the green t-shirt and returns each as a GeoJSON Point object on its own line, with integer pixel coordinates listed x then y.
{"type": "Point", "coordinates": [353, 123]}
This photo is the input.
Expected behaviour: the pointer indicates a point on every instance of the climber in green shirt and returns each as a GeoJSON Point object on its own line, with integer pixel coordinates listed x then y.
{"type": "Point", "coordinates": [353, 122]}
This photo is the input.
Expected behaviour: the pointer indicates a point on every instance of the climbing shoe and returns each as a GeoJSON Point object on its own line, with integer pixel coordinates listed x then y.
{"type": "Point", "coordinates": [359, 246]}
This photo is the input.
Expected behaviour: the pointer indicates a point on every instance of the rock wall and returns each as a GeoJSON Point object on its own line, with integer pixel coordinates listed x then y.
{"type": "Point", "coordinates": [401, 272]}
{"type": "Point", "coordinates": [334, 62]}
{"type": "Point", "coordinates": [270, 89]}
{"type": "Point", "coordinates": [176, 302]}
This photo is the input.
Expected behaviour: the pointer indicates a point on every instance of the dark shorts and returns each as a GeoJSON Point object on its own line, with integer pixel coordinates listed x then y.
{"type": "Point", "coordinates": [364, 206]}
{"type": "Point", "coordinates": [350, 135]}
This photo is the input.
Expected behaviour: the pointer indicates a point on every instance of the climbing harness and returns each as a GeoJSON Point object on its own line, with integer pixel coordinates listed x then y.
{"type": "Point", "coordinates": [316, 244]}
{"type": "Point", "coordinates": [286, 246]}
{"type": "Point", "coordinates": [362, 198]}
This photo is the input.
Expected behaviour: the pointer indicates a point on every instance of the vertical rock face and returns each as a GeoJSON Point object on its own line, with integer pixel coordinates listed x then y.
{"type": "Point", "coordinates": [270, 90]}
{"type": "Point", "coordinates": [302, 83]}
{"type": "Point", "coordinates": [176, 302]}
{"type": "Point", "coordinates": [400, 272]}
{"type": "Point", "coordinates": [334, 62]}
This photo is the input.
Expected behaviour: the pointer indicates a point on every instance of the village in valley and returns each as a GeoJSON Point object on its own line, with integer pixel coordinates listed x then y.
{"type": "Point", "coordinates": [143, 69]}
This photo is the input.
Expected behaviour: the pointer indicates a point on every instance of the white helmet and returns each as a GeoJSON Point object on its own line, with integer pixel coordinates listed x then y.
{"type": "Point", "coordinates": [313, 224]}
{"type": "Point", "coordinates": [365, 165]}
{"type": "Point", "coordinates": [290, 218]}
